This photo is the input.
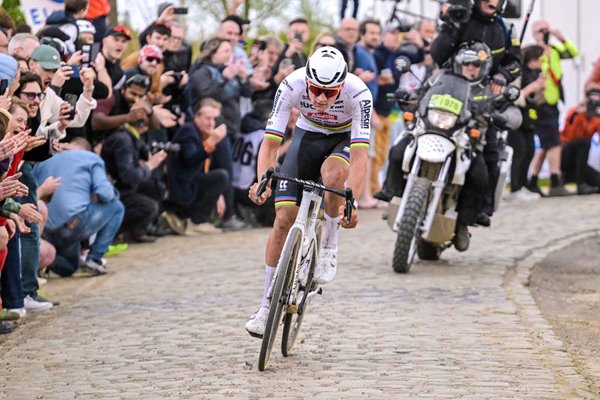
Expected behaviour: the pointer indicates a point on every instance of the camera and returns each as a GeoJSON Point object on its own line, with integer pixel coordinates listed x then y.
{"type": "Point", "coordinates": [169, 147]}
{"type": "Point", "coordinates": [459, 11]}
{"type": "Point", "coordinates": [546, 34]}
{"type": "Point", "coordinates": [593, 103]}
{"type": "Point", "coordinates": [177, 76]}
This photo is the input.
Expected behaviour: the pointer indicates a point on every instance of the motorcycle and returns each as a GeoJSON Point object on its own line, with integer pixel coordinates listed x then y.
{"type": "Point", "coordinates": [444, 126]}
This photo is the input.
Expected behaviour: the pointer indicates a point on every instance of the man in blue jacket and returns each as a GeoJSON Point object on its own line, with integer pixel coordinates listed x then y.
{"type": "Point", "coordinates": [196, 177]}
{"type": "Point", "coordinates": [84, 204]}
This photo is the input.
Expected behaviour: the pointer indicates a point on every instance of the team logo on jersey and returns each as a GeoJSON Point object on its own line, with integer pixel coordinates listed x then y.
{"type": "Point", "coordinates": [307, 104]}
{"type": "Point", "coordinates": [283, 185]}
{"type": "Point", "coordinates": [365, 114]}
{"type": "Point", "coordinates": [322, 116]}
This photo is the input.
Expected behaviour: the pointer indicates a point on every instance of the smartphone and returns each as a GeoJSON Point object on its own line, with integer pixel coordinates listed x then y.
{"type": "Point", "coordinates": [72, 100]}
{"type": "Point", "coordinates": [180, 10]}
{"type": "Point", "coordinates": [3, 86]}
{"type": "Point", "coordinates": [52, 135]}
{"type": "Point", "coordinates": [76, 68]}
{"type": "Point", "coordinates": [89, 53]}
{"type": "Point", "coordinates": [298, 37]}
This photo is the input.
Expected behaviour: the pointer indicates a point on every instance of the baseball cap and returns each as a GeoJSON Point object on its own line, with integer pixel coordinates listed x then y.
{"type": "Point", "coordinates": [119, 30]}
{"type": "Point", "coordinates": [47, 56]}
{"type": "Point", "coordinates": [150, 50]}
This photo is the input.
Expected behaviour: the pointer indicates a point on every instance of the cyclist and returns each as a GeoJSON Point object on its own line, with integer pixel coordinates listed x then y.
{"type": "Point", "coordinates": [330, 141]}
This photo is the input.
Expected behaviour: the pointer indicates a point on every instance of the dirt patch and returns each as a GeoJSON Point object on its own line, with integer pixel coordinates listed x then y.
{"type": "Point", "coordinates": [566, 287]}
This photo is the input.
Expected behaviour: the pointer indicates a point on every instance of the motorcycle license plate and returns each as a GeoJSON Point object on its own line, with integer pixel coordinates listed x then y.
{"type": "Point", "coordinates": [446, 102]}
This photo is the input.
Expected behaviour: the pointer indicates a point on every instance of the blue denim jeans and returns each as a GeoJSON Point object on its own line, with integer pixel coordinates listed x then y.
{"type": "Point", "coordinates": [103, 219]}
{"type": "Point", "coordinates": [12, 288]}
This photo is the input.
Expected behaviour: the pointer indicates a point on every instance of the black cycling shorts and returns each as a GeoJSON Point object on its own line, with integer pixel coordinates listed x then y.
{"type": "Point", "coordinates": [304, 159]}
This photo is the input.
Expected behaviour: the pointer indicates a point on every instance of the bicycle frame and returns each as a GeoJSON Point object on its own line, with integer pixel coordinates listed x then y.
{"type": "Point", "coordinates": [306, 222]}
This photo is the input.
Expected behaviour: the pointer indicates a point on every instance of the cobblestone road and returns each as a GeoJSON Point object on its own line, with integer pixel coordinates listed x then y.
{"type": "Point", "coordinates": [168, 322]}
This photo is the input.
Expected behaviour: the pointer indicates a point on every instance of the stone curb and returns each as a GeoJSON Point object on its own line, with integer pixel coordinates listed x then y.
{"type": "Point", "coordinates": [553, 350]}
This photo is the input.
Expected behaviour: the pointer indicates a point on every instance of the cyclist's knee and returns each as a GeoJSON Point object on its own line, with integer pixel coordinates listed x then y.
{"type": "Point", "coordinates": [334, 175]}
{"type": "Point", "coordinates": [284, 218]}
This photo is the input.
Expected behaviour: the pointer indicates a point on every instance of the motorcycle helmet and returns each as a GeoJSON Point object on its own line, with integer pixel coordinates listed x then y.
{"type": "Point", "coordinates": [326, 68]}
{"type": "Point", "coordinates": [475, 53]}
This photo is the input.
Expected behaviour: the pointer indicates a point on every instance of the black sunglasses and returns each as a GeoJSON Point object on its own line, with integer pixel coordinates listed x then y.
{"type": "Point", "coordinates": [32, 95]}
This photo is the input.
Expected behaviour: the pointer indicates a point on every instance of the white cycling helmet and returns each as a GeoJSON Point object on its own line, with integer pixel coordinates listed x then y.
{"type": "Point", "coordinates": [326, 67]}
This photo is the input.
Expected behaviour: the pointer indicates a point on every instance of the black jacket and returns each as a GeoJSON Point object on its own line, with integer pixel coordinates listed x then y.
{"type": "Point", "coordinates": [185, 167]}
{"type": "Point", "coordinates": [480, 28]}
{"type": "Point", "coordinates": [207, 80]}
{"type": "Point", "coordinates": [122, 153]}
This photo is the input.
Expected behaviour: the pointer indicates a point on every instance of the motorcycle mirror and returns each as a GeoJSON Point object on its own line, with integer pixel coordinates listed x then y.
{"type": "Point", "coordinates": [402, 64]}
{"type": "Point", "coordinates": [512, 93]}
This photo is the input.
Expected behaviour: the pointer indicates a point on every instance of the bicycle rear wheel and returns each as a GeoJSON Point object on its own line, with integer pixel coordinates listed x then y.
{"type": "Point", "coordinates": [280, 294]}
{"type": "Point", "coordinates": [293, 320]}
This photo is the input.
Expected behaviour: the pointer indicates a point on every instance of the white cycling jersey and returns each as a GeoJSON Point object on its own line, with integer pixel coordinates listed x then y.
{"type": "Point", "coordinates": [351, 112]}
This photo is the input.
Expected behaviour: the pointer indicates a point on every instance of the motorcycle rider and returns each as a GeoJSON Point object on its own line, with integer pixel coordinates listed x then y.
{"type": "Point", "coordinates": [482, 22]}
{"type": "Point", "coordinates": [473, 61]}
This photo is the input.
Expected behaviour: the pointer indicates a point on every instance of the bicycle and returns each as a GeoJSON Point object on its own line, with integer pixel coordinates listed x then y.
{"type": "Point", "coordinates": [301, 250]}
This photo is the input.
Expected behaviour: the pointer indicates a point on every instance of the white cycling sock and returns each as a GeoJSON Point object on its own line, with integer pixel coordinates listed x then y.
{"type": "Point", "coordinates": [269, 271]}
{"type": "Point", "coordinates": [330, 232]}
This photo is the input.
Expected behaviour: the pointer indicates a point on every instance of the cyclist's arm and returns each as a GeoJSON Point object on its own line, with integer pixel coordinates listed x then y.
{"type": "Point", "coordinates": [359, 142]}
{"type": "Point", "coordinates": [275, 131]}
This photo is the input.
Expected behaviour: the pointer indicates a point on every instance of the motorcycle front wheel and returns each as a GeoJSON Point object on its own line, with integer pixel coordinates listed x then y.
{"type": "Point", "coordinates": [414, 212]}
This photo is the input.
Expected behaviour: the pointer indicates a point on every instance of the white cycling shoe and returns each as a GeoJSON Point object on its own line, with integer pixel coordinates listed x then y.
{"type": "Point", "coordinates": [257, 323]}
{"type": "Point", "coordinates": [326, 266]}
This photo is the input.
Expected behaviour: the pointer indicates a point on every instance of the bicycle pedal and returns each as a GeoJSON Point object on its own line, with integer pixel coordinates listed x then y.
{"type": "Point", "coordinates": [320, 291]}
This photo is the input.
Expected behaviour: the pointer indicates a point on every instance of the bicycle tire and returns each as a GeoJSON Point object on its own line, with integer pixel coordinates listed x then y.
{"type": "Point", "coordinates": [293, 321]}
{"type": "Point", "coordinates": [281, 292]}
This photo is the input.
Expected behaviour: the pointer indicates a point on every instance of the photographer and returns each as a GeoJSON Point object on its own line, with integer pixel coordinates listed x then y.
{"type": "Point", "coordinates": [127, 105]}
{"type": "Point", "coordinates": [196, 180]}
{"type": "Point", "coordinates": [292, 56]}
{"type": "Point", "coordinates": [130, 164]}
{"type": "Point", "coordinates": [546, 126]}
{"type": "Point", "coordinates": [479, 20]}
{"type": "Point", "coordinates": [580, 125]}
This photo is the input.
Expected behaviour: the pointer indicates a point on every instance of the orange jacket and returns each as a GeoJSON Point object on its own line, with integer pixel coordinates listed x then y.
{"type": "Point", "coordinates": [579, 126]}
{"type": "Point", "coordinates": [98, 8]}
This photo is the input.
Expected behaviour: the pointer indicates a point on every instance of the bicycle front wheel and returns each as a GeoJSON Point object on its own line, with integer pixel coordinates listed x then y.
{"type": "Point", "coordinates": [281, 292]}
{"type": "Point", "coordinates": [293, 320]}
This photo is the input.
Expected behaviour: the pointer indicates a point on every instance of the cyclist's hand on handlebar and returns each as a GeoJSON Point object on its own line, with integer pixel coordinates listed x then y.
{"type": "Point", "coordinates": [353, 218]}
{"type": "Point", "coordinates": [261, 199]}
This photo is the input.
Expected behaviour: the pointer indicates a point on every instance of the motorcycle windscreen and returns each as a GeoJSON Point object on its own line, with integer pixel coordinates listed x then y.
{"type": "Point", "coordinates": [450, 95]}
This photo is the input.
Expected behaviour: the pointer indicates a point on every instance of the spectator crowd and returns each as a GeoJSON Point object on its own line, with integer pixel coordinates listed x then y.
{"type": "Point", "coordinates": [99, 150]}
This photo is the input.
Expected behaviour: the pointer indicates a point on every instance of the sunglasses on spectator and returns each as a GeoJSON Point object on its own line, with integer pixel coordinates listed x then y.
{"type": "Point", "coordinates": [32, 95]}
{"type": "Point", "coordinates": [328, 92]}
{"type": "Point", "coordinates": [153, 59]}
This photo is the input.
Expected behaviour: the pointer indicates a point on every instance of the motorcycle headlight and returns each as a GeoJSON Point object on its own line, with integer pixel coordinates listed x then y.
{"type": "Point", "coordinates": [440, 119]}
